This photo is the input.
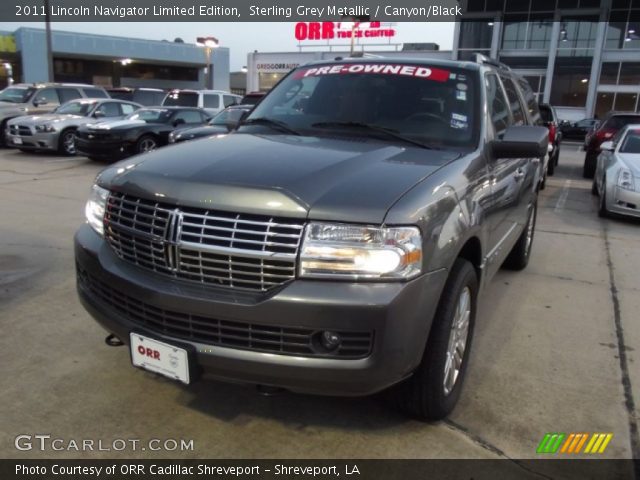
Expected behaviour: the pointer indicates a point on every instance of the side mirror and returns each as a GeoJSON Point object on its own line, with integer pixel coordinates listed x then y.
{"type": "Point", "coordinates": [607, 146]}
{"type": "Point", "coordinates": [98, 114]}
{"type": "Point", "coordinates": [178, 121]}
{"type": "Point", "coordinates": [40, 101]}
{"type": "Point", "coordinates": [234, 119]}
{"type": "Point", "coordinates": [522, 142]}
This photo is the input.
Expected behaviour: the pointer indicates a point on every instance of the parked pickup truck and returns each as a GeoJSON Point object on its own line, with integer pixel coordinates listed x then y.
{"type": "Point", "coordinates": [337, 245]}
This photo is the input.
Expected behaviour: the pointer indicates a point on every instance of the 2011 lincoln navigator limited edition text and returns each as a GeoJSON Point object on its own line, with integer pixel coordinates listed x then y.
{"type": "Point", "coordinates": [335, 243]}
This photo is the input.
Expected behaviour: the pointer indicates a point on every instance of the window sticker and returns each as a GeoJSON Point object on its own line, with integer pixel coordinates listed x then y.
{"type": "Point", "coordinates": [461, 95]}
{"type": "Point", "coordinates": [417, 71]}
{"type": "Point", "coordinates": [459, 122]}
{"type": "Point", "coordinates": [462, 86]}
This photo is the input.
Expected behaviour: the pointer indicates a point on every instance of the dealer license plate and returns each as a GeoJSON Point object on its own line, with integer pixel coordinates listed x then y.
{"type": "Point", "coordinates": [17, 140]}
{"type": "Point", "coordinates": [160, 357]}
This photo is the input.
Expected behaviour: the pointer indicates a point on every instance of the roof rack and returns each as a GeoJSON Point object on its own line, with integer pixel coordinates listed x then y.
{"type": "Point", "coordinates": [483, 59]}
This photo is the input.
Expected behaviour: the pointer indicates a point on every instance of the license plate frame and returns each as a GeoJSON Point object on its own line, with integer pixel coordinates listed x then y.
{"type": "Point", "coordinates": [173, 360]}
{"type": "Point", "coordinates": [17, 141]}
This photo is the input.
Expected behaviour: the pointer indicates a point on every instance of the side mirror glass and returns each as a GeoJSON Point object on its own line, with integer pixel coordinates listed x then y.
{"type": "Point", "coordinates": [607, 146]}
{"type": "Point", "coordinates": [522, 142]}
{"type": "Point", "coordinates": [178, 121]}
{"type": "Point", "coordinates": [40, 101]}
{"type": "Point", "coordinates": [98, 114]}
{"type": "Point", "coordinates": [234, 119]}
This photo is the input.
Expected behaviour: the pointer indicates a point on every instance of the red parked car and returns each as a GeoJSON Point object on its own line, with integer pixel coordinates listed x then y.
{"type": "Point", "coordinates": [613, 122]}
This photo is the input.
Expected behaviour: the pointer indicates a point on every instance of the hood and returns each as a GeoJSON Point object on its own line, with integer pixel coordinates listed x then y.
{"type": "Point", "coordinates": [632, 162]}
{"type": "Point", "coordinates": [117, 124]}
{"type": "Point", "coordinates": [325, 179]}
{"type": "Point", "coordinates": [45, 118]}
{"type": "Point", "coordinates": [203, 131]}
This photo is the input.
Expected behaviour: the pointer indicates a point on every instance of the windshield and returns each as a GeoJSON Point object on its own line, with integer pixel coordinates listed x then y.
{"type": "Point", "coordinates": [220, 119]}
{"type": "Point", "coordinates": [154, 115]}
{"type": "Point", "coordinates": [16, 94]}
{"type": "Point", "coordinates": [181, 99]}
{"type": "Point", "coordinates": [431, 105]}
{"type": "Point", "coordinates": [631, 143]}
{"type": "Point", "coordinates": [75, 108]}
{"type": "Point", "coordinates": [618, 121]}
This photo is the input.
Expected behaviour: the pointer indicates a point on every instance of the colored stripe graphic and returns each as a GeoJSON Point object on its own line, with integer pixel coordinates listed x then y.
{"type": "Point", "coordinates": [573, 443]}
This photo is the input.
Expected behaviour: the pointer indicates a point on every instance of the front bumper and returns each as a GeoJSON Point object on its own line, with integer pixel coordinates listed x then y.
{"type": "Point", "coordinates": [115, 149]}
{"type": "Point", "coordinates": [36, 141]}
{"type": "Point", "coordinates": [398, 314]}
{"type": "Point", "coordinates": [622, 201]}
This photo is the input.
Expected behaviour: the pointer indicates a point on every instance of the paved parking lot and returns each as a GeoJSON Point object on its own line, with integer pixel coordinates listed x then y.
{"type": "Point", "coordinates": [557, 347]}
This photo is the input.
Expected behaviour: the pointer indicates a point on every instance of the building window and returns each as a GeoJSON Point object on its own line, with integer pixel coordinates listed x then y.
{"type": "Point", "coordinates": [620, 73]}
{"type": "Point", "coordinates": [537, 83]}
{"type": "Point", "coordinates": [571, 81]}
{"type": "Point", "coordinates": [578, 35]}
{"type": "Point", "coordinates": [527, 31]}
{"type": "Point", "coordinates": [623, 30]}
{"type": "Point", "coordinates": [475, 34]}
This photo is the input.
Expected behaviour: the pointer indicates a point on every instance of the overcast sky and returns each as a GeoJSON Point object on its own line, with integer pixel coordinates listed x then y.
{"type": "Point", "coordinates": [241, 38]}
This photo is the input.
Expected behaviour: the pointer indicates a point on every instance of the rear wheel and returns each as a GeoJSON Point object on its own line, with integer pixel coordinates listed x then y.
{"type": "Point", "coordinates": [602, 203]}
{"type": "Point", "coordinates": [589, 168]}
{"type": "Point", "coordinates": [67, 142]}
{"type": "Point", "coordinates": [552, 164]}
{"type": "Point", "coordinates": [434, 389]}
{"type": "Point", "coordinates": [518, 258]}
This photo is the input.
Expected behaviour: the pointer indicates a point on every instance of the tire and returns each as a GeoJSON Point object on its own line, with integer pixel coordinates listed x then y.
{"type": "Point", "coordinates": [551, 168]}
{"type": "Point", "coordinates": [543, 182]}
{"type": "Point", "coordinates": [602, 203]}
{"type": "Point", "coordinates": [66, 143]}
{"type": "Point", "coordinates": [24, 150]}
{"type": "Point", "coordinates": [518, 258]}
{"type": "Point", "coordinates": [594, 187]}
{"type": "Point", "coordinates": [589, 168]}
{"type": "Point", "coordinates": [146, 143]}
{"type": "Point", "coordinates": [425, 395]}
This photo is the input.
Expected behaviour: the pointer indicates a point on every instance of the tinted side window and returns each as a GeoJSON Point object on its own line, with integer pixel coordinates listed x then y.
{"type": "Point", "coordinates": [498, 105]}
{"type": "Point", "coordinates": [211, 101]}
{"type": "Point", "coordinates": [514, 101]}
{"type": "Point", "coordinates": [147, 98]}
{"type": "Point", "coordinates": [189, 116]}
{"type": "Point", "coordinates": [127, 108]}
{"type": "Point", "coordinates": [67, 94]}
{"type": "Point", "coordinates": [229, 100]}
{"type": "Point", "coordinates": [532, 103]}
{"type": "Point", "coordinates": [47, 94]}
{"type": "Point", "coordinates": [95, 93]}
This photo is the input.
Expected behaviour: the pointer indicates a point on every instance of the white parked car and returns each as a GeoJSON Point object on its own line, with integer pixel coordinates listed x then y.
{"type": "Point", "coordinates": [617, 178]}
{"type": "Point", "coordinates": [212, 101]}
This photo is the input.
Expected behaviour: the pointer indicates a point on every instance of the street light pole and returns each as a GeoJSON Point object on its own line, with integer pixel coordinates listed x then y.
{"type": "Point", "coordinates": [209, 43]}
{"type": "Point", "coordinates": [47, 21]}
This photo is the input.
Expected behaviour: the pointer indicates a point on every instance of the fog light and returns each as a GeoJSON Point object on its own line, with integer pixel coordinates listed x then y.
{"type": "Point", "coordinates": [330, 340]}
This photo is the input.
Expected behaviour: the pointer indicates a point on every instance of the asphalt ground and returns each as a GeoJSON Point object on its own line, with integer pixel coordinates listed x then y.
{"type": "Point", "coordinates": [556, 348]}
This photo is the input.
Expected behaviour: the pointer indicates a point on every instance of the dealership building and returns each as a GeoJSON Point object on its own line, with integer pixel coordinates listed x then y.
{"type": "Point", "coordinates": [109, 60]}
{"type": "Point", "coordinates": [583, 56]}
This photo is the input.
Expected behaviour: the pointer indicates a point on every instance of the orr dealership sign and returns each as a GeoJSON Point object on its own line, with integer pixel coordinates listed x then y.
{"type": "Point", "coordinates": [311, 31]}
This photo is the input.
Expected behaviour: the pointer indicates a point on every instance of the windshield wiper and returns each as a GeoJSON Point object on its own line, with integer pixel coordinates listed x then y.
{"type": "Point", "coordinates": [270, 122]}
{"type": "Point", "coordinates": [389, 132]}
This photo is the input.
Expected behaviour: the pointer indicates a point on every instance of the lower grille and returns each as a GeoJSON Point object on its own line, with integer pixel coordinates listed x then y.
{"type": "Point", "coordinates": [277, 339]}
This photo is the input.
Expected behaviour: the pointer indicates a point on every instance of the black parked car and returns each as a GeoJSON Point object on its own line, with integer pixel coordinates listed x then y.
{"type": "Point", "coordinates": [223, 122]}
{"type": "Point", "coordinates": [142, 131]}
{"type": "Point", "coordinates": [578, 130]}
{"type": "Point", "coordinates": [340, 248]}
{"type": "Point", "coordinates": [149, 97]}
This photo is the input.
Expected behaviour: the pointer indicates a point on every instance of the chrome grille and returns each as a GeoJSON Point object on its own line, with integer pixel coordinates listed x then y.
{"type": "Point", "coordinates": [284, 340]}
{"type": "Point", "coordinates": [221, 248]}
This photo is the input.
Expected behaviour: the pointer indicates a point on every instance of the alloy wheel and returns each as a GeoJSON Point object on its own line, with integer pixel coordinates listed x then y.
{"type": "Point", "coordinates": [458, 337]}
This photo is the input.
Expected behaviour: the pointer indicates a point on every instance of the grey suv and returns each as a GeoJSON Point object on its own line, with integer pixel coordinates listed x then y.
{"type": "Point", "coordinates": [31, 98]}
{"type": "Point", "coordinates": [336, 243]}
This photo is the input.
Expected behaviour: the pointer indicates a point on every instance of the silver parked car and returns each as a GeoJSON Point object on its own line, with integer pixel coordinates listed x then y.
{"type": "Point", "coordinates": [617, 178]}
{"type": "Point", "coordinates": [56, 131]}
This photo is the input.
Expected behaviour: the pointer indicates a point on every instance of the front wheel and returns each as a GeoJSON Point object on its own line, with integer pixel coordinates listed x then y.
{"type": "Point", "coordinates": [602, 204]}
{"type": "Point", "coordinates": [518, 258]}
{"type": "Point", "coordinates": [434, 389]}
{"type": "Point", "coordinates": [590, 162]}
{"type": "Point", "coordinates": [67, 142]}
{"type": "Point", "coordinates": [146, 143]}
{"type": "Point", "coordinates": [553, 161]}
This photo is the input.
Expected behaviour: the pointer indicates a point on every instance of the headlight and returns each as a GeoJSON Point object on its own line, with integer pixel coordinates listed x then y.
{"type": "Point", "coordinates": [172, 137]}
{"type": "Point", "coordinates": [625, 179]}
{"type": "Point", "coordinates": [94, 209]}
{"type": "Point", "coordinates": [360, 252]}
{"type": "Point", "coordinates": [45, 128]}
